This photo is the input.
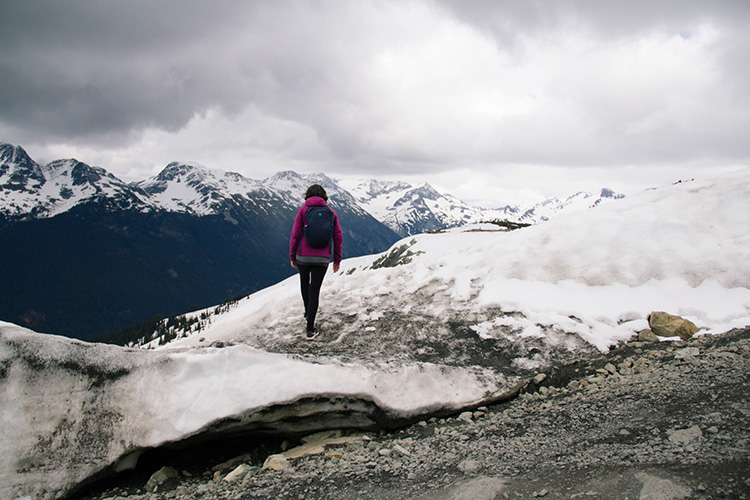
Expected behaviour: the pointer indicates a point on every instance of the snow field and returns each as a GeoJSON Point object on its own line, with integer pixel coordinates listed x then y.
{"type": "Point", "coordinates": [599, 273]}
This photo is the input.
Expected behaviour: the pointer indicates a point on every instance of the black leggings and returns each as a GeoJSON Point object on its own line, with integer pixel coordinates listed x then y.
{"type": "Point", "coordinates": [311, 278]}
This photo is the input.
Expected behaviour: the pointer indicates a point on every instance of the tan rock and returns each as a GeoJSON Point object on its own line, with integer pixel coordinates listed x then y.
{"type": "Point", "coordinates": [316, 444]}
{"type": "Point", "coordinates": [668, 325]}
{"type": "Point", "coordinates": [276, 462]}
{"type": "Point", "coordinates": [160, 477]}
{"type": "Point", "coordinates": [647, 336]}
{"type": "Point", "coordinates": [238, 473]}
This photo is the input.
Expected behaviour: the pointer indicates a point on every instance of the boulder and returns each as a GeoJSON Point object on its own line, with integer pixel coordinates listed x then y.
{"type": "Point", "coordinates": [276, 462]}
{"type": "Point", "coordinates": [160, 477]}
{"type": "Point", "coordinates": [668, 325]}
{"type": "Point", "coordinates": [647, 336]}
{"type": "Point", "coordinates": [466, 416]}
{"type": "Point", "coordinates": [238, 474]}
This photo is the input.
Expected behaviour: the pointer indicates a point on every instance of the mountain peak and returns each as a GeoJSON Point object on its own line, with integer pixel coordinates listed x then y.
{"type": "Point", "coordinates": [192, 175]}
{"type": "Point", "coordinates": [18, 172]}
{"type": "Point", "coordinates": [373, 188]}
{"type": "Point", "coordinates": [194, 188]}
{"type": "Point", "coordinates": [284, 175]}
{"type": "Point", "coordinates": [296, 184]}
{"type": "Point", "coordinates": [34, 191]}
{"type": "Point", "coordinates": [13, 154]}
{"type": "Point", "coordinates": [80, 173]}
{"type": "Point", "coordinates": [427, 191]}
{"type": "Point", "coordinates": [179, 170]}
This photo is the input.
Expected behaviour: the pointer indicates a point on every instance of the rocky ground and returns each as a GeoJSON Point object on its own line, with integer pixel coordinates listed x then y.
{"type": "Point", "coordinates": [644, 421]}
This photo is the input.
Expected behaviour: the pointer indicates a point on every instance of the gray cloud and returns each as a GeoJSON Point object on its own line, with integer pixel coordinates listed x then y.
{"type": "Point", "coordinates": [95, 69]}
{"type": "Point", "coordinates": [380, 86]}
{"type": "Point", "coordinates": [509, 21]}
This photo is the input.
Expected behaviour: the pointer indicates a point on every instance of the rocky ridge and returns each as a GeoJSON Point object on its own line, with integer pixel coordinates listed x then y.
{"type": "Point", "coordinates": [656, 420]}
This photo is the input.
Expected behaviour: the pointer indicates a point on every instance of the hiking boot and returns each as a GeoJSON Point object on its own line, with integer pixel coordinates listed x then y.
{"type": "Point", "coordinates": [311, 334]}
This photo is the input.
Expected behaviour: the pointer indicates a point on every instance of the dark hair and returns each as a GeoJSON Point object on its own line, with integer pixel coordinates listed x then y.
{"type": "Point", "coordinates": [316, 190]}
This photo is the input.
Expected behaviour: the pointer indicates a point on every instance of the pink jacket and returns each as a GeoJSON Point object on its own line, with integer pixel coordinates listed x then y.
{"type": "Point", "coordinates": [297, 243]}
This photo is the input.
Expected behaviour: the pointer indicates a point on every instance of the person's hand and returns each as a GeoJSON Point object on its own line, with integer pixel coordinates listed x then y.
{"type": "Point", "coordinates": [294, 264]}
{"type": "Point", "coordinates": [336, 267]}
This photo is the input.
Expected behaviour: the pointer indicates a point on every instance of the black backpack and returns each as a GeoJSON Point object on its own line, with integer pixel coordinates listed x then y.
{"type": "Point", "coordinates": [318, 226]}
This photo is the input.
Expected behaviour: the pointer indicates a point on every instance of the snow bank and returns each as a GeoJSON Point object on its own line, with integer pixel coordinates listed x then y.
{"type": "Point", "coordinates": [71, 410]}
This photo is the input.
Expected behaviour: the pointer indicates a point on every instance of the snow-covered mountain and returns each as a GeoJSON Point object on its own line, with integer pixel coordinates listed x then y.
{"type": "Point", "coordinates": [553, 207]}
{"type": "Point", "coordinates": [124, 252]}
{"type": "Point", "coordinates": [410, 210]}
{"type": "Point", "coordinates": [193, 188]}
{"type": "Point", "coordinates": [293, 186]}
{"type": "Point", "coordinates": [435, 324]}
{"type": "Point", "coordinates": [41, 191]}
{"type": "Point", "coordinates": [32, 191]}
{"type": "Point", "coordinates": [37, 191]}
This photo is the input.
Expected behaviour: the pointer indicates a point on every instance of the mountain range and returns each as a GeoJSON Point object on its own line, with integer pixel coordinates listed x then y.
{"type": "Point", "coordinates": [85, 253]}
{"type": "Point", "coordinates": [409, 209]}
{"type": "Point", "coordinates": [89, 253]}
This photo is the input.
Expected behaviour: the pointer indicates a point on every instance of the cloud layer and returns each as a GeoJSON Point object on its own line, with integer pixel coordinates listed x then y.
{"type": "Point", "coordinates": [379, 87]}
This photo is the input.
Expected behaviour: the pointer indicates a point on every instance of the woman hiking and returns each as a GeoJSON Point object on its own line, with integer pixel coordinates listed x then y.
{"type": "Point", "coordinates": [310, 249]}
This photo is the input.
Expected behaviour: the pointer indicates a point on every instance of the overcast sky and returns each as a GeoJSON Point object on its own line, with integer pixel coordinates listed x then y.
{"type": "Point", "coordinates": [490, 100]}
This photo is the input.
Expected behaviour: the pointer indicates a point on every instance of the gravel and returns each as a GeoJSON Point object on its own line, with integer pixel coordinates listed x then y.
{"type": "Point", "coordinates": [644, 421]}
